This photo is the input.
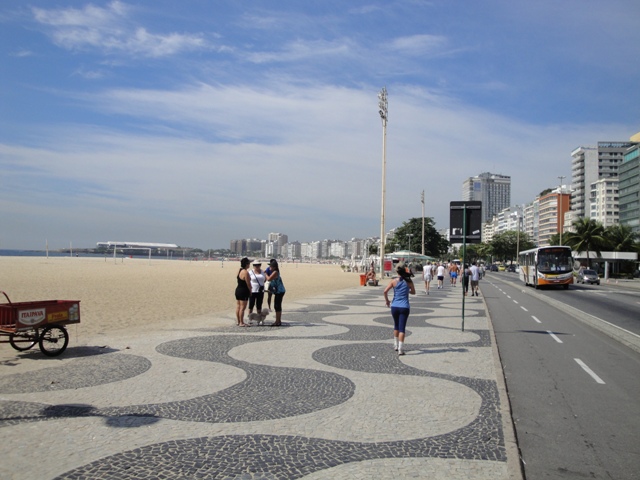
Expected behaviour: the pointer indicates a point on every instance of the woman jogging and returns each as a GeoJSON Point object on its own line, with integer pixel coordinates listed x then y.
{"type": "Point", "coordinates": [400, 308]}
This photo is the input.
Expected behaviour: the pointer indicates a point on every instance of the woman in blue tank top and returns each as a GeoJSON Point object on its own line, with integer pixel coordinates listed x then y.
{"type": "Point", "coordinates": [402, 286]}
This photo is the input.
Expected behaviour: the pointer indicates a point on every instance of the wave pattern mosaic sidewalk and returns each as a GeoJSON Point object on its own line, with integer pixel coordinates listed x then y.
{"type": "Point", "coordinates": [324, 396]}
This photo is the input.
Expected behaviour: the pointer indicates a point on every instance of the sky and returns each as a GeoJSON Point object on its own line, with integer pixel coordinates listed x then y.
{"type": "Point", "coordinates": [202, 121]}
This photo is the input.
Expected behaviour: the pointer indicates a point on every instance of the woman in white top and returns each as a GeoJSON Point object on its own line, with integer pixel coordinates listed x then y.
{"type": "Point", "coordinates": [257, 287]}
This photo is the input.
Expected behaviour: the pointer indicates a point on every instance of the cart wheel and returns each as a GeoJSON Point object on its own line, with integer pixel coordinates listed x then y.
{"type": "Point", "coordinates": [23, 341]}
{"type": "Point", "coordinates": [53, 340]}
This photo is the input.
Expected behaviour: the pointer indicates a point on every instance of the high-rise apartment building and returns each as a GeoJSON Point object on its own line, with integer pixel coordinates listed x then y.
{"type": "Point", "coordinates": [629, 186]}
{"type": "Point", "coordinates": [604, 201]}
{"type": "Point", "coordinates": [590, 164]}
{"type": "Point", "coordinates": [551, 208]}
{"type": "Point", "coordinates": [494, 191]}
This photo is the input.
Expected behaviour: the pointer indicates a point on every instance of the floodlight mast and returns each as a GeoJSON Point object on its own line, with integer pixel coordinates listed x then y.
{"type": "Point", "coordinates": [384, 114]}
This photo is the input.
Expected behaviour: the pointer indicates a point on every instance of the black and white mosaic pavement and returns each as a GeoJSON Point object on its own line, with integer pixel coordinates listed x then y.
{"type": "Point", "coordinates": [297, 407]}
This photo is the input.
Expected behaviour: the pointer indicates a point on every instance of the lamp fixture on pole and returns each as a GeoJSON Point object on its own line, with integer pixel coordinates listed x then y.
{"type": "Point", "coordinates": [383, 110]}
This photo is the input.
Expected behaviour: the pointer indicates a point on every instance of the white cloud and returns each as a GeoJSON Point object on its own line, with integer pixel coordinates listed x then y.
{"type": "Point", "coordinates": [111, 30]}
{"type": "Point", "coordinates": [304, 160]}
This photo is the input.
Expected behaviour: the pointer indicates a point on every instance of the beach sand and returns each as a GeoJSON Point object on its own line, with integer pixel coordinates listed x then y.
{"type": "Point", "coordinates": [137, 294]}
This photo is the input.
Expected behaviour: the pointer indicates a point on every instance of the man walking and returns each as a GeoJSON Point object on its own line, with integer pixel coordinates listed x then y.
{"type": "Point", "coordinates": [475, 278]}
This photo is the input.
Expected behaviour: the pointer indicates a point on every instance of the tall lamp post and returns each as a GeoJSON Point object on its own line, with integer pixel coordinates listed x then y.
{"type": "Point", "coordinates": [560, 199]}
{"type": "Point", "coordinates": [422, 200]}
{"type": "Point", "coordinates": [383, 110]}
{"type": "Point", "coordinates": [409, 235]}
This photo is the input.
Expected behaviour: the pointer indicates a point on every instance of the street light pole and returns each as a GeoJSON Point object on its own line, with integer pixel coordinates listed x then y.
{"type": "Point", "coordinates": [560, 199]}
{"type": "Point", "coordinates": [422, 200]}
{"type": "Point", "coordinates": [409, 235]}
{"type": "Point", "coordinates": [383, 110]}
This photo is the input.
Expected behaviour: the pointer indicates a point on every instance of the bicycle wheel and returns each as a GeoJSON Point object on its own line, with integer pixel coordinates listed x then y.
{"type": "Point", "coordinates": [24, 340]}
{"type": "Point", "coordinates": [53, 340]}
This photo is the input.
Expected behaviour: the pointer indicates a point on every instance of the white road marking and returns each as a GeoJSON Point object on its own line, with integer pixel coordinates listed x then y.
{"type": "Point", "coordinates": [535, 319]}
{"type": "Point", "coordinates": [554, 336]}
{"type": "Point", "coordinates": [523, 308]}
{"type": "Point", "coordinates": [515, 301]}
{"type": "Point", "coordinates": [589, 371]}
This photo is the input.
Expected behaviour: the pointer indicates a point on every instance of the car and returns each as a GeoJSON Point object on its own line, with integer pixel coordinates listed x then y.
{"type": "Point", "coordinates": [501, 268]}
{"type": "Point", "coordinates": [492, 268]}
{"type": "Point", "coordinates": [586, 275]}
{"type": "Point", "coordinates": [511, 268]}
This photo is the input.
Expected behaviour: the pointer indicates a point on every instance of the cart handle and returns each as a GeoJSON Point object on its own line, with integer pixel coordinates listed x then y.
{"type": "Point", "coordinates": [5, 294]}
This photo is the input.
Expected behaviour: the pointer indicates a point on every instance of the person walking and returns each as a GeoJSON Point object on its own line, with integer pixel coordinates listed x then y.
{"type": "Point", "coordinates": [257, 287]}
{"type": "Point", "coordinates": [427, 275]}
{"type": "Point", "coordinates": [475, 278]}
{"type": "Point", "coordinates": [402, 286]}
{"type": "Point", "coordinates": [453, 273]}
{"type": "Point", "coordinates": [243, 291]}
{"type": "Point", "coordinates": [440, 275]}
{"type": "Point", "coordinates": [465, 279]}
{"type": "Point", "coordinates": [276, 286]}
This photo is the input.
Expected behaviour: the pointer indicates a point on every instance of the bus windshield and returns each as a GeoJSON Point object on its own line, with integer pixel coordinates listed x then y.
{"type": "Point", "coordinates": [554, 260]}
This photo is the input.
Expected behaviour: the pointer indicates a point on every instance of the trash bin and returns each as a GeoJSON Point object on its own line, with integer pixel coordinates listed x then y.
{"type": "Point", "coordinates": [363, 280]}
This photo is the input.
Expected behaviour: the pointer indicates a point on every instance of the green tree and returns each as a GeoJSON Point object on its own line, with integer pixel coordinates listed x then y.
{"type": "Point", "coordinates": [505, 245]}
{"type": "Point", "coordinates": [435, 245]}
{"type": "Point", "coordinates": [620, 238]}
{"type": "Point", "coordinates": [555, 239]}
{"type": "Point", "coordinates": [588, 235]}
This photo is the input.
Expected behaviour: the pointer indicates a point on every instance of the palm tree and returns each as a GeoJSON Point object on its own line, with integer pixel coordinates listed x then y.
{"type": "Point", "coordinates": [588, 235]}
{"type": "Point", "coordinates": [621, 238]}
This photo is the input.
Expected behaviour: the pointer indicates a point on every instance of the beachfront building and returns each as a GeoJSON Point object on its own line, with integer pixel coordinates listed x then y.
{"type": "Point", "coordinates": [603, 200]}
{"type": "Point", "coordinates": [629, 186]}
{"type": "Point", "coordinates": [493, 190]}
{"type": "Point", "coordinates": [531, 219]}
{"type": "Point", "coordinates": [590, 164]}
{"type": "Point", "coordinates": [551, 205]}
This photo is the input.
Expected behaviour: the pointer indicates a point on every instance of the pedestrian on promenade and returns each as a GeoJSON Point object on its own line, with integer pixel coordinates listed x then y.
{"type": "Point", "coordinates": [427, 275]}
{"type": "Point", "coordinates": [243, 291]}
{"type": "Point", "coordinates": [453, 273]}
{"type": "Point", "coordinates": [402, 286]}
{"type": "Point", "coordinates": [257, 287]}
{"type": "Point", "coordinates": [276, 287]}
{"type": "Point", "coordinates": [465, 279]}
{"type": "Point", "coordinates": [440, 275]}
{"type": "Point", "coordinates": [267, 272]}
{"type": "Point", "coordinates": [475, 278]}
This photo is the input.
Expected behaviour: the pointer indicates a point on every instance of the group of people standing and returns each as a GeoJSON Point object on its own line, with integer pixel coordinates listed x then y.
{"type": "Point", "coordinates": [251, 286]}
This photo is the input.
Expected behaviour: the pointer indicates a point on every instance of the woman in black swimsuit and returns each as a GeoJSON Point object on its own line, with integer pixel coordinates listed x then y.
{"type": "Point", "coordinates": [243, 291]}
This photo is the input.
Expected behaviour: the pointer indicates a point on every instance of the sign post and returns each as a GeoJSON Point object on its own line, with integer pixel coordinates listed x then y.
{"type": "Point", "coordinates": [465, 224]}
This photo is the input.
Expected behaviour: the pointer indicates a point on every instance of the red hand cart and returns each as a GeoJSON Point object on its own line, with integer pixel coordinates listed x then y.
{"type": "Point", "coordinates": [28, 323]}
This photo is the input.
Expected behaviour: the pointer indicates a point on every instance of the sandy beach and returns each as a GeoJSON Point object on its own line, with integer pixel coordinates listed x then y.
{"type": "Point", "coordinates": [134, 294]}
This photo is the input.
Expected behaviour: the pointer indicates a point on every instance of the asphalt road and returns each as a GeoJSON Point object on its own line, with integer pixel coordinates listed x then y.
{"type": "Point", "coordinates": [574, 391]}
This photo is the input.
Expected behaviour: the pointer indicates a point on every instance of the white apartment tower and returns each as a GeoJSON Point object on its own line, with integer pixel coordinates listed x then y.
{"type": "Point", "coordinates": [590, 164]}
{"type": "Point", "coordinates": [604, 200]}
{"type": "Point", "coordinates": [494, 191]}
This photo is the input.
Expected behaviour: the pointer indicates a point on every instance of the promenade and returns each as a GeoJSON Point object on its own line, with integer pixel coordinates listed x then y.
{"type": "Point", "coordinates": [324, 396]}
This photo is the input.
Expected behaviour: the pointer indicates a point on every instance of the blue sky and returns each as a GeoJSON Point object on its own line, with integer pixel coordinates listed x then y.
{"type": "Point", "coordinates": [201, 121]}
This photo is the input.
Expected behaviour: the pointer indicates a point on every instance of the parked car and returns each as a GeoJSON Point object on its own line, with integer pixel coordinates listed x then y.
{"type": "Point", "coordinates": [501, 268]}
{"type": "Point", "coordinates": [511, 268]}
{"type": "Point", "coordinates": [586, 275]}
{"type": "Point", "coordinates": [493, 267]}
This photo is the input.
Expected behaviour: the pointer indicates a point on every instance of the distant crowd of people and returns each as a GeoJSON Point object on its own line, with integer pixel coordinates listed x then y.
{"type": "Point", "coordinates": [471, 275]}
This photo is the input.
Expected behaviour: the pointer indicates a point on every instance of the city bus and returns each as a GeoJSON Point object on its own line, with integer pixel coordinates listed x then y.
{"type": "Point", "coordinates": [544, 266]}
